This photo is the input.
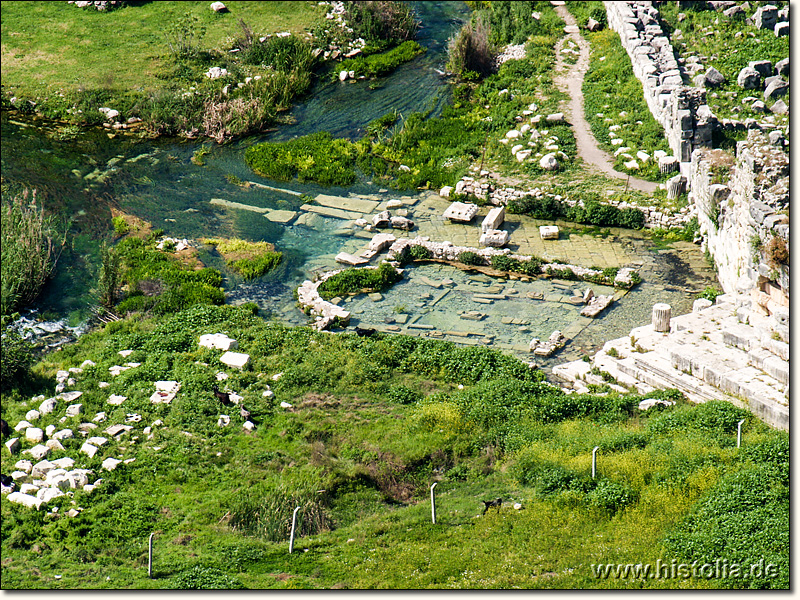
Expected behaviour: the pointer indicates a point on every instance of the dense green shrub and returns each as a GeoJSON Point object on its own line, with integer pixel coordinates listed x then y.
{"type": "Point", "coordinates": [611, 496]}
{"type": "Point", "coordinates": [317, 157]}
{"type": "Point", "coordinates": [172, 287]}
{"type": "Point", "coordinates": [418, 252]}
{"type": "Point", "coordinates": [471, 258]}
{"type": "Point", "coordinates": [353, 281]}
{"type": "Point", "coordinates": [526, 267]}
{"type": "Point", "coordinates": [591, 213]}
{"type": "Point", "coordinates": [714, 416]}
{"type": "Point", "coordinates": [403, 395]}
{"type": "Point", "coordinates": [378, 65]}
{"type": "Point", "coordinates": [745, 519]}
{"type": "Point", "coordinates": [204, 578]}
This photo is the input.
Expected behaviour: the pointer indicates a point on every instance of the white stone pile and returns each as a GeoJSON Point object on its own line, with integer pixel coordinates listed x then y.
{"type": "Point", "coordinates": [325, 313]}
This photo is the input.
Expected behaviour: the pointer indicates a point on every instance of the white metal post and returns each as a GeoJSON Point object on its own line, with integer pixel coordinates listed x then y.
{"type": "Point", "coordinates": [291, 536]}
{"type": "Point", "coordinates": [150, 556]}
{"type": "Point", "coordinates": [739, 434]}
{"type": "Point", "coordinates": [594, 461]}
{"type": "Point", "coordinates": [433, 505]}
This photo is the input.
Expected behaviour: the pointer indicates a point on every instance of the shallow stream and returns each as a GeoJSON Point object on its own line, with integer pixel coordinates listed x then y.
{"type": "Point", "coordinates": [84, 175]}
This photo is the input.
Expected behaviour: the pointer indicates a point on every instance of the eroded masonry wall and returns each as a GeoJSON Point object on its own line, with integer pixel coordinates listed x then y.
{"type": "Point", "coordinates": [681, 110]}
{"type": "Point", "coordinates": [743, 212]}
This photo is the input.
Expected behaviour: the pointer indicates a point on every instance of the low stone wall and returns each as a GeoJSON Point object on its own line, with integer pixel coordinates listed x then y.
{"type": "Point", "coordinates": [743, 214]}
{"type": "Point", "coordinates": [681, 110]}
{"type": "Point", "coordinates": [483, 188]}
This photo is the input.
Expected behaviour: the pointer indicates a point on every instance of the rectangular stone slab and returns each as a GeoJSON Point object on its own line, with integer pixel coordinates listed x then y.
{"type": "Point", "coordinates": [238, 205]}
{"type": "Point", "coordinates": [352, 204]}
{"type": "Point", "coordinates": [280, 216]}
{"type": "Point", "coordinates": [327, 211]}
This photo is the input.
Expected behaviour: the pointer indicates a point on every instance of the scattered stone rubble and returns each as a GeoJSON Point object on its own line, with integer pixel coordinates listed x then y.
{"type": "Point", "coordinates": [725, 350]}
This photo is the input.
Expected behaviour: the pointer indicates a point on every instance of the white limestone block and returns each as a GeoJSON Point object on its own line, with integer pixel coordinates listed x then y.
{"type": "Point", "coordinates": [220, 341]}
{"type": "Point", "coordinates": [548, 232]}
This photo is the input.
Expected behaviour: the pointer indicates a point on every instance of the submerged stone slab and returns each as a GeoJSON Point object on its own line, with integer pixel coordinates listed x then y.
{"type": "Point", "coordinates": [350, 259]}
{"type": "Point", "coordinates": [359, 205]}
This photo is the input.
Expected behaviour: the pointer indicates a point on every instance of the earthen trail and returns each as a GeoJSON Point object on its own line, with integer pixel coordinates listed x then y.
{"type": "Point", "coordinates": [571, 82]}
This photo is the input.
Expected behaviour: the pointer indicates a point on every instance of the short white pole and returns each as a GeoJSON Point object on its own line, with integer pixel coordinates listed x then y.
{"type": "Point", "coordinates": [594, 461]}
{"type": "Point", "coordinates": [150, 556]}
{"type": "Point", "coordinates": [739, 434]}
{"type": "Point", "coordinates": [291, 536]}
{"type": "Point", "coordinates": [433, 505]}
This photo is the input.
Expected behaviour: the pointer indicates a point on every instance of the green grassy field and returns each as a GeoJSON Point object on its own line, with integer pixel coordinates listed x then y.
{"type": "Point", "coordinates": [53, 46]}
{"type": "Point", "coordinates": [373, 423]}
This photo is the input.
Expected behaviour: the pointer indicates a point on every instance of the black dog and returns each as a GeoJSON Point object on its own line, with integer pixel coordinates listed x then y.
{"type": "Point", "coordinates": [364, 332]}
{"type": "Point", "coordinates": [492, 503]}
{"type": "Point", "coordinates": [222, 396]}
{"type": "Point", "coordinates": [5, 430]}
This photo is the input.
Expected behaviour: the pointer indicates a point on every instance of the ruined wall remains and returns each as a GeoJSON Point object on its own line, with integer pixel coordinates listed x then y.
{"type": "Point", "coordinates": [681, 110]}
{"type": "Point", "coordinates": [743, 212]}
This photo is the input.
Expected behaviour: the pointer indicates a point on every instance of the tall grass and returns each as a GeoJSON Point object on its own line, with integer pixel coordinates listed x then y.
{"type": "Point", "coordinates": [31, 245]}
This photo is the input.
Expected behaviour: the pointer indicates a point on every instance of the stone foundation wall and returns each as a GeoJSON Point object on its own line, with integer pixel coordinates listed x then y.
{"type": "Point", "coordinates": [742, 209]}
{"type": "Point", "coordinates": [681, 110]}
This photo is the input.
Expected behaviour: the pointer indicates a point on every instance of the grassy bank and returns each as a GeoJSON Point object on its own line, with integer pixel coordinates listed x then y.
{"type": "Point", "coordinates": [373, 423]}
{"type": "Point", "coordinates": [125, 49]}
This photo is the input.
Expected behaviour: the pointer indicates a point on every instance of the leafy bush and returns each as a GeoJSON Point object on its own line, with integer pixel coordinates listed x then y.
{"type": "Point", "coordinates": [204, 578]}
{"type": "Point", "coordinates": [527, 267]}
{"type": "Point", "coordinates": [710, 293]}
{"type": "Point", "coordinates": [715, 417]}
{"type": "Point", "coordinates": [418, 252]}
{"type": "Point", "coordinates": [403, 395]}
{"type": "Point", "coordinates": [30, 244]}
{"type": "Point", "coordinates": [353, 281]}
{"type": "Point", "coordinates": [745, 518]}
{"type": "Point", "coordinates": [611, 496]}
{"type": "Point", "coordinates": [316, 157]}
{"type": "Point", "coordinates": [470, 258]}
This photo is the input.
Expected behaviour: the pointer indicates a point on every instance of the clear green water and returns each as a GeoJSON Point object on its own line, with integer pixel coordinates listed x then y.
{"type": "Point", "coordinates": [83, 177]}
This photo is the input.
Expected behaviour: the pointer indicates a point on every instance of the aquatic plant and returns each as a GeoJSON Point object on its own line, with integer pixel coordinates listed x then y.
{"type": "Point", "coordinates": [31, 243]}
{"type": "Point", "coordinates": [377, 65]}
{"type": "Point", "coordinates": [353, 281]}
{"type": "Point", "coordinates": [317, 157]}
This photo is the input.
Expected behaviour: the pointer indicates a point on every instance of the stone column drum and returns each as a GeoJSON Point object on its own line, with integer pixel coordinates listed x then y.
{"type": "Point", "coordinates": [661, 317]}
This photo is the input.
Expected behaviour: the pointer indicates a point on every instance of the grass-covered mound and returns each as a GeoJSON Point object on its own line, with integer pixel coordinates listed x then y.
{"type": "Point", "coordinates": [373, 423]}
{"type": "Point", "coordinates": [248, 259]}
{"type": "Point", "coordinates": [317, 157]}
{"type": "Point", "coordinates": [156, 280]}
{"type": "Point", "coordinates": [354, 281]}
